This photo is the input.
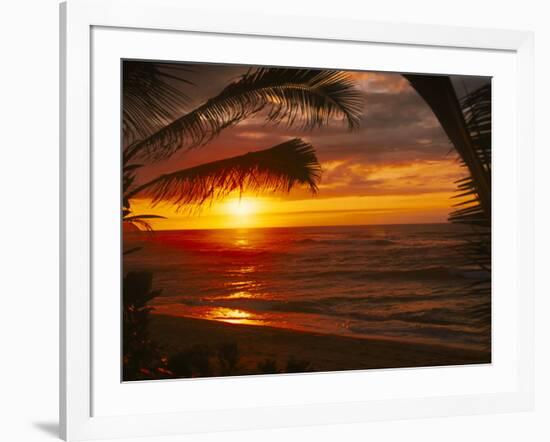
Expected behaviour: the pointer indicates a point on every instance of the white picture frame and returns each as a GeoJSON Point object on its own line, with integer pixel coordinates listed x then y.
{"type": "Point", "coordinates": [92, 407]}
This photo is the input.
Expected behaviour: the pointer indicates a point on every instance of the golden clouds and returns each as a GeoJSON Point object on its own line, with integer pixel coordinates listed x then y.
{"type": "Point", "coordinates": [420, 177]}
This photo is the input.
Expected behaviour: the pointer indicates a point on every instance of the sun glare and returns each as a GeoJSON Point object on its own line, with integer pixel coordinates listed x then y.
{"type": "Point", "coordinates": [242, 208]}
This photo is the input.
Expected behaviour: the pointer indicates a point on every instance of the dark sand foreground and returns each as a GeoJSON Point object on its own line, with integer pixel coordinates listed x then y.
{"type": "Point", "coordinates": [323, 352]}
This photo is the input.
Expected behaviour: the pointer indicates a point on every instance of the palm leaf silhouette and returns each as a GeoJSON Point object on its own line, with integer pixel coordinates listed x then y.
{"type": "Point", "coordinates": [308, 98]}
{"type": "Point", "coordinates": [278, 168]}
{"type": "Point", "coordinates": [439, 94]}
{"type": "Point", "coordinates": [476, 107]}
{"type": "Point", "coordinates": [140, 221]}
{"type": "Point", "coordinates": [467, 123]}
{"type": "Point", "coordinates": [151, 98]}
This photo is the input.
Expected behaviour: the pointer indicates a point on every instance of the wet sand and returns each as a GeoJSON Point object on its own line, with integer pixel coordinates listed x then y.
{"type": "Point", "coordinates": [323, 352]}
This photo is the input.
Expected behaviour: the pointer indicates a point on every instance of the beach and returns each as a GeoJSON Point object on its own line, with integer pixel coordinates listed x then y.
{"type": "Point", "coordinates": [321, 352]}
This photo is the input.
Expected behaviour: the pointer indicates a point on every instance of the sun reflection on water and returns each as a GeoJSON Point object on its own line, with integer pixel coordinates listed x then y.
{"type": "Point", "coordinates": [240, 284]}
{"type": "Point", "coordinates": [239, 295]}
{"type": "Point", "coordinates": [233, 316]}
{"type": "Point", "coordinates": [239, 280]}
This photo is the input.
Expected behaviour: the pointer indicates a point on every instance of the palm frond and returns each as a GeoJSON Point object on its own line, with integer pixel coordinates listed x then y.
{"type": "Point", "coordinates": [278, 168]}
{"type": "Point", "coordinates": [476, 107]}
{"type": "Point", "coordinates": [128, 178]}
{"type": "Point", "coordinates": [467, 125]}
{"type": "Point", "coordinates": [151, 98]}
{"type": "Point", "coordinates": [307, 98]}
{"type": "Point", "coordinates": [476, 248]}
{"type": "Point", "coordinates": [139, 221]}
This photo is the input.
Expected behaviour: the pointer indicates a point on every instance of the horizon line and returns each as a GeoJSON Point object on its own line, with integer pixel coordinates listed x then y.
{"type": "Point", "coordinates": [293, 227]}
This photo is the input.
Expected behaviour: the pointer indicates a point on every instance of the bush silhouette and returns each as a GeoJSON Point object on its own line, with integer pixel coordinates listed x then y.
{"type": "Point", "coordinates": [192, 362]}
{"type": "Point", "coordinates": [141, 357]}
{"type": "Point", "coordinates": [268, 366]}
{"type": "Point", "coordinates": [294, 365]}
{"type": "Point", "coordinates": [228, 358]}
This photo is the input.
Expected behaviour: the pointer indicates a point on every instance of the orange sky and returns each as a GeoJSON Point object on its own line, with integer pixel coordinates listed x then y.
{"type": "Point", "coordinates": [252, 211]}
{"type": "Point", "coordinates": [397, 168]}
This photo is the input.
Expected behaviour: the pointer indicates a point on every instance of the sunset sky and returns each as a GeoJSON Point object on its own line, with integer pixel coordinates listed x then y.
{"type": "Point", "coordinates": [397, 167]}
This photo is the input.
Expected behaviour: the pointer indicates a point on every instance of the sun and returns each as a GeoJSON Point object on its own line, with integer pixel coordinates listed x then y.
{"type": "Point", "coordinates": [242, 212]}
{"type": "Point", "coordinates": [242, 208]}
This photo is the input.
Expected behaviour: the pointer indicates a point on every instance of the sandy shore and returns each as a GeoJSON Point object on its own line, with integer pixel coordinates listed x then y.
{"type": "Point", "coordinates": [323, 352]}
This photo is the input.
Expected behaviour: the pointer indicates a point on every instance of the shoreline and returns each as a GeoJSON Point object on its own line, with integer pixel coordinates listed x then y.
{"type": "Point", "coordinates": [259, 344]}
{"type": "Point", "coordinates": [298, 227]}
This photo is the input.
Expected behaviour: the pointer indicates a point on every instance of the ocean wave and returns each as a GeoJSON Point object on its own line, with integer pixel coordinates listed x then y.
{"type": "Point", "coordinates": [365, 308]}
{"type": "Point", "coordinates": [403, 281]}
{"type": "Point", "coordinates": [438, 273]}
{"type": "Point", "coordinates": [348, 241]}
{"type": "Point", "coordinates": [436, 333]}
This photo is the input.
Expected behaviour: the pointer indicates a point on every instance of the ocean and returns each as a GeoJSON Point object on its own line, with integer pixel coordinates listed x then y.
{"type": "Point", "coordinates": [400, 282]}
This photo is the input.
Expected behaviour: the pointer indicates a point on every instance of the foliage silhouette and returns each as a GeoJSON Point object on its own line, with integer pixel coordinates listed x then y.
{"type": "Point", "coordinates": [467, 123]}
{"type": "Point", "coordinates": [192, 362]}
{"type": "Point", "coordinates": [146, 112]}
{"type": "Point", "coordinates": [276, 169]}
{"type": "Point", "coordinates": [155, 126]}
{"type": "Point", "coordinates": [307, 98]}
{"type": "Point", "coordinates": [295, 365]}
{"type": "Point", "coordinates": [268, 366]}
{"type": "Point", "coordinates": [140, 355]}
{"type": "Point", "coordinates": [440, 95]}
{"type": "Point", "coordinates": [228, 358]}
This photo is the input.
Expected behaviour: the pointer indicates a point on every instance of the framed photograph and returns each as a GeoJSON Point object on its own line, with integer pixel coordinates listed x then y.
{"type": "Point", "coordinates": [283, 221]}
